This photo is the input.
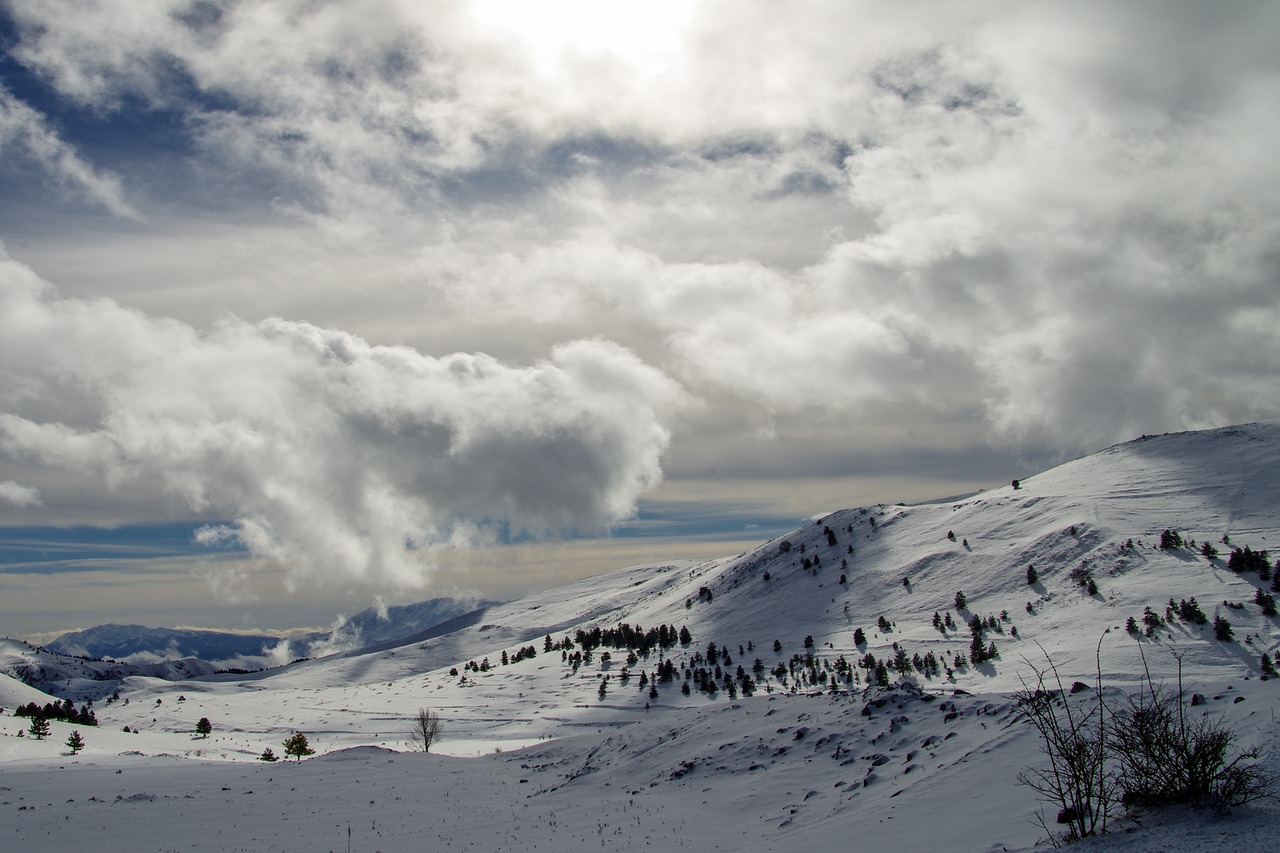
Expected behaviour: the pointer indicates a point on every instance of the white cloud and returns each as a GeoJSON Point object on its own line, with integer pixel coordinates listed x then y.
{"type": "Point", "coordinates": [26, 136]}
{"type": "Point", "coordinates": [337, 458]}
{"type": "Point", "coordinates": [17, 494]}
{"type": "Point", "coordinates": [1031, 223]}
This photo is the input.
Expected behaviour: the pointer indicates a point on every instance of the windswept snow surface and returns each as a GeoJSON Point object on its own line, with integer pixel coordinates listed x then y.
{"type": "Point", "coordinates": [536, 755]}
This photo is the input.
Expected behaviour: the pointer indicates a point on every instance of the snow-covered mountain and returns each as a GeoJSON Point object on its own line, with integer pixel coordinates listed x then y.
{"type": "Point", "coordinates": [776, 739]}
{"type": "Point", "coordinates": [379, 625]}
{"type": "Point", "coordinates": [128, 643]}
{"type": "Point", "coordinates": [223, 649]}
{"type": "Point", "coordinates": [78, 678]}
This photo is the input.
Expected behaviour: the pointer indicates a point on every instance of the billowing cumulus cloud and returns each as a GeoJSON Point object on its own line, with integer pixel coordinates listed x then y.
{"type": "Point", "coordinates": [1004, 224]}
{"type": "Point", "coordinates": [339, 458]}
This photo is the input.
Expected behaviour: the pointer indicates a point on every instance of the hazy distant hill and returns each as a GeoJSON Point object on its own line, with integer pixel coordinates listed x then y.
{"type": "Point", "coordinates": [373, 626]}
{"type": "Point", "coordinates": [395, 622]}
{"type": "Point", "coordinates": [134, 642]}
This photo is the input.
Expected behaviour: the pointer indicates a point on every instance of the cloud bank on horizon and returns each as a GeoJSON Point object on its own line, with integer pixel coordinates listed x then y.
{"type": "Point", "coordinates": [1043, 226]}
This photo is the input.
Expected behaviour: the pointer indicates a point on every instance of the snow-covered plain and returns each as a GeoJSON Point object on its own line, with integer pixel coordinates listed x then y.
{"type": "Point", "coordinates": [536, 756]}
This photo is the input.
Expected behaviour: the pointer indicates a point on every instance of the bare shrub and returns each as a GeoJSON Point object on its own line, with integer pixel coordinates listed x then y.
{"type": "Point", "coordinates": [1168, 757]}
{"type": "Point", "coordinates": [1147, 751]}
{"type": "Point", "coordinates": [1074, 739]}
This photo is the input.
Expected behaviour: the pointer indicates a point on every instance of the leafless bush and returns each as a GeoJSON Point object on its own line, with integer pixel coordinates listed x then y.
{"type": "Point", "coordinates": [1074, 739]}
{"type": "Point", "coordinates": [1167, 757]}
{"type": "Point", "coordinates": [1146, 752]}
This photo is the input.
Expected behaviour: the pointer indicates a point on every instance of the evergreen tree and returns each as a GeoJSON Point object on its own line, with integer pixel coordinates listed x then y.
{"type": "Point", "coordinates": [39, 727]}
{"type": "Point", "coordinates": [297, 746]}
{"type": "Point", "coordinates": [1032, 575]}
{"type": "Point", "coordinates": [75, 742]}
{"type": "Point", "coordinates": [204, 727]}
{"type": "Point", "coordinates": [1222, 629]}
{"type": "Point", "coordinates": [881, 674]}
{"type": "Point", "coordinates": [859, 638]}
{"type": "Point", "coordinates": [268, 755]}
{"type": "Point", "coordinates": [961, 600]}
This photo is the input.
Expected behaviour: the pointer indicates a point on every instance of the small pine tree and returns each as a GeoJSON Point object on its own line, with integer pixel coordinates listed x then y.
{"type": "Point", "coordinates": [1131, 626]}
{"type": "Point", "coordinates": [961, 600]}
{"type": "Point", "coordinates": [859, 637]}
{"type": "Point", "coordinates": [297, 746]}
{"type": "Point", "coordinates": [39, 728]}
{"type": "Point", "coordinates": [204, 727]}
{"type": "Point", "coordinates": [268, 755]}
{"type": "Point", "coordinates": [881, 674]}
{"type": "Point", "coordinates": [1032, 575]}
{"type": "Point", "coordinates": [75, 742]}
{"type": "Point", "coordinates": [1222, 629]}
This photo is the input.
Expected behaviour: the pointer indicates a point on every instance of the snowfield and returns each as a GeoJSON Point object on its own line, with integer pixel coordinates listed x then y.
{"type": "Point", "coordinates": [563, 750]}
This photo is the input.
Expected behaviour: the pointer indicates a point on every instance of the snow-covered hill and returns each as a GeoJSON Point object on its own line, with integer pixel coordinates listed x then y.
{"type": "Point", "coordinates": [224, 650]}
{"type": "Point", "coordinates": [133, 643]}
{"type": "Point", "coordinates": [791, 752]}
{"type": "Point", "coordinates": [83, 678]}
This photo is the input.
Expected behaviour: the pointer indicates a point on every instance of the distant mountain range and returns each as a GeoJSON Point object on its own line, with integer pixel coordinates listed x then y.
{"type": "Point", "coordinates": [143, 645]}
{"type": "Point", "coordinates": [134, 643]}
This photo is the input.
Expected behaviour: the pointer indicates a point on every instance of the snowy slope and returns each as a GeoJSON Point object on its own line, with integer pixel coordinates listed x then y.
{"type": "Point", "coordinates": [81, 678]}
{"type": "Point", "coordinates": [932, 765]}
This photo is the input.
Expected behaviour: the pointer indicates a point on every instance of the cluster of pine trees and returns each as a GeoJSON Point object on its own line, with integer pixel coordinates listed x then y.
{"type": "Point", "coordinates": [626, 636]}
{"type": "Point", "coordinates": [1248, 560]}
{"type": "Point", "coordinates": [64, 711]}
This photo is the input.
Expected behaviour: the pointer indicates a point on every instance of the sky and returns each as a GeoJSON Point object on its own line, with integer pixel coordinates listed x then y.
{"type": "Point", "coordinates": [308, 304]}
